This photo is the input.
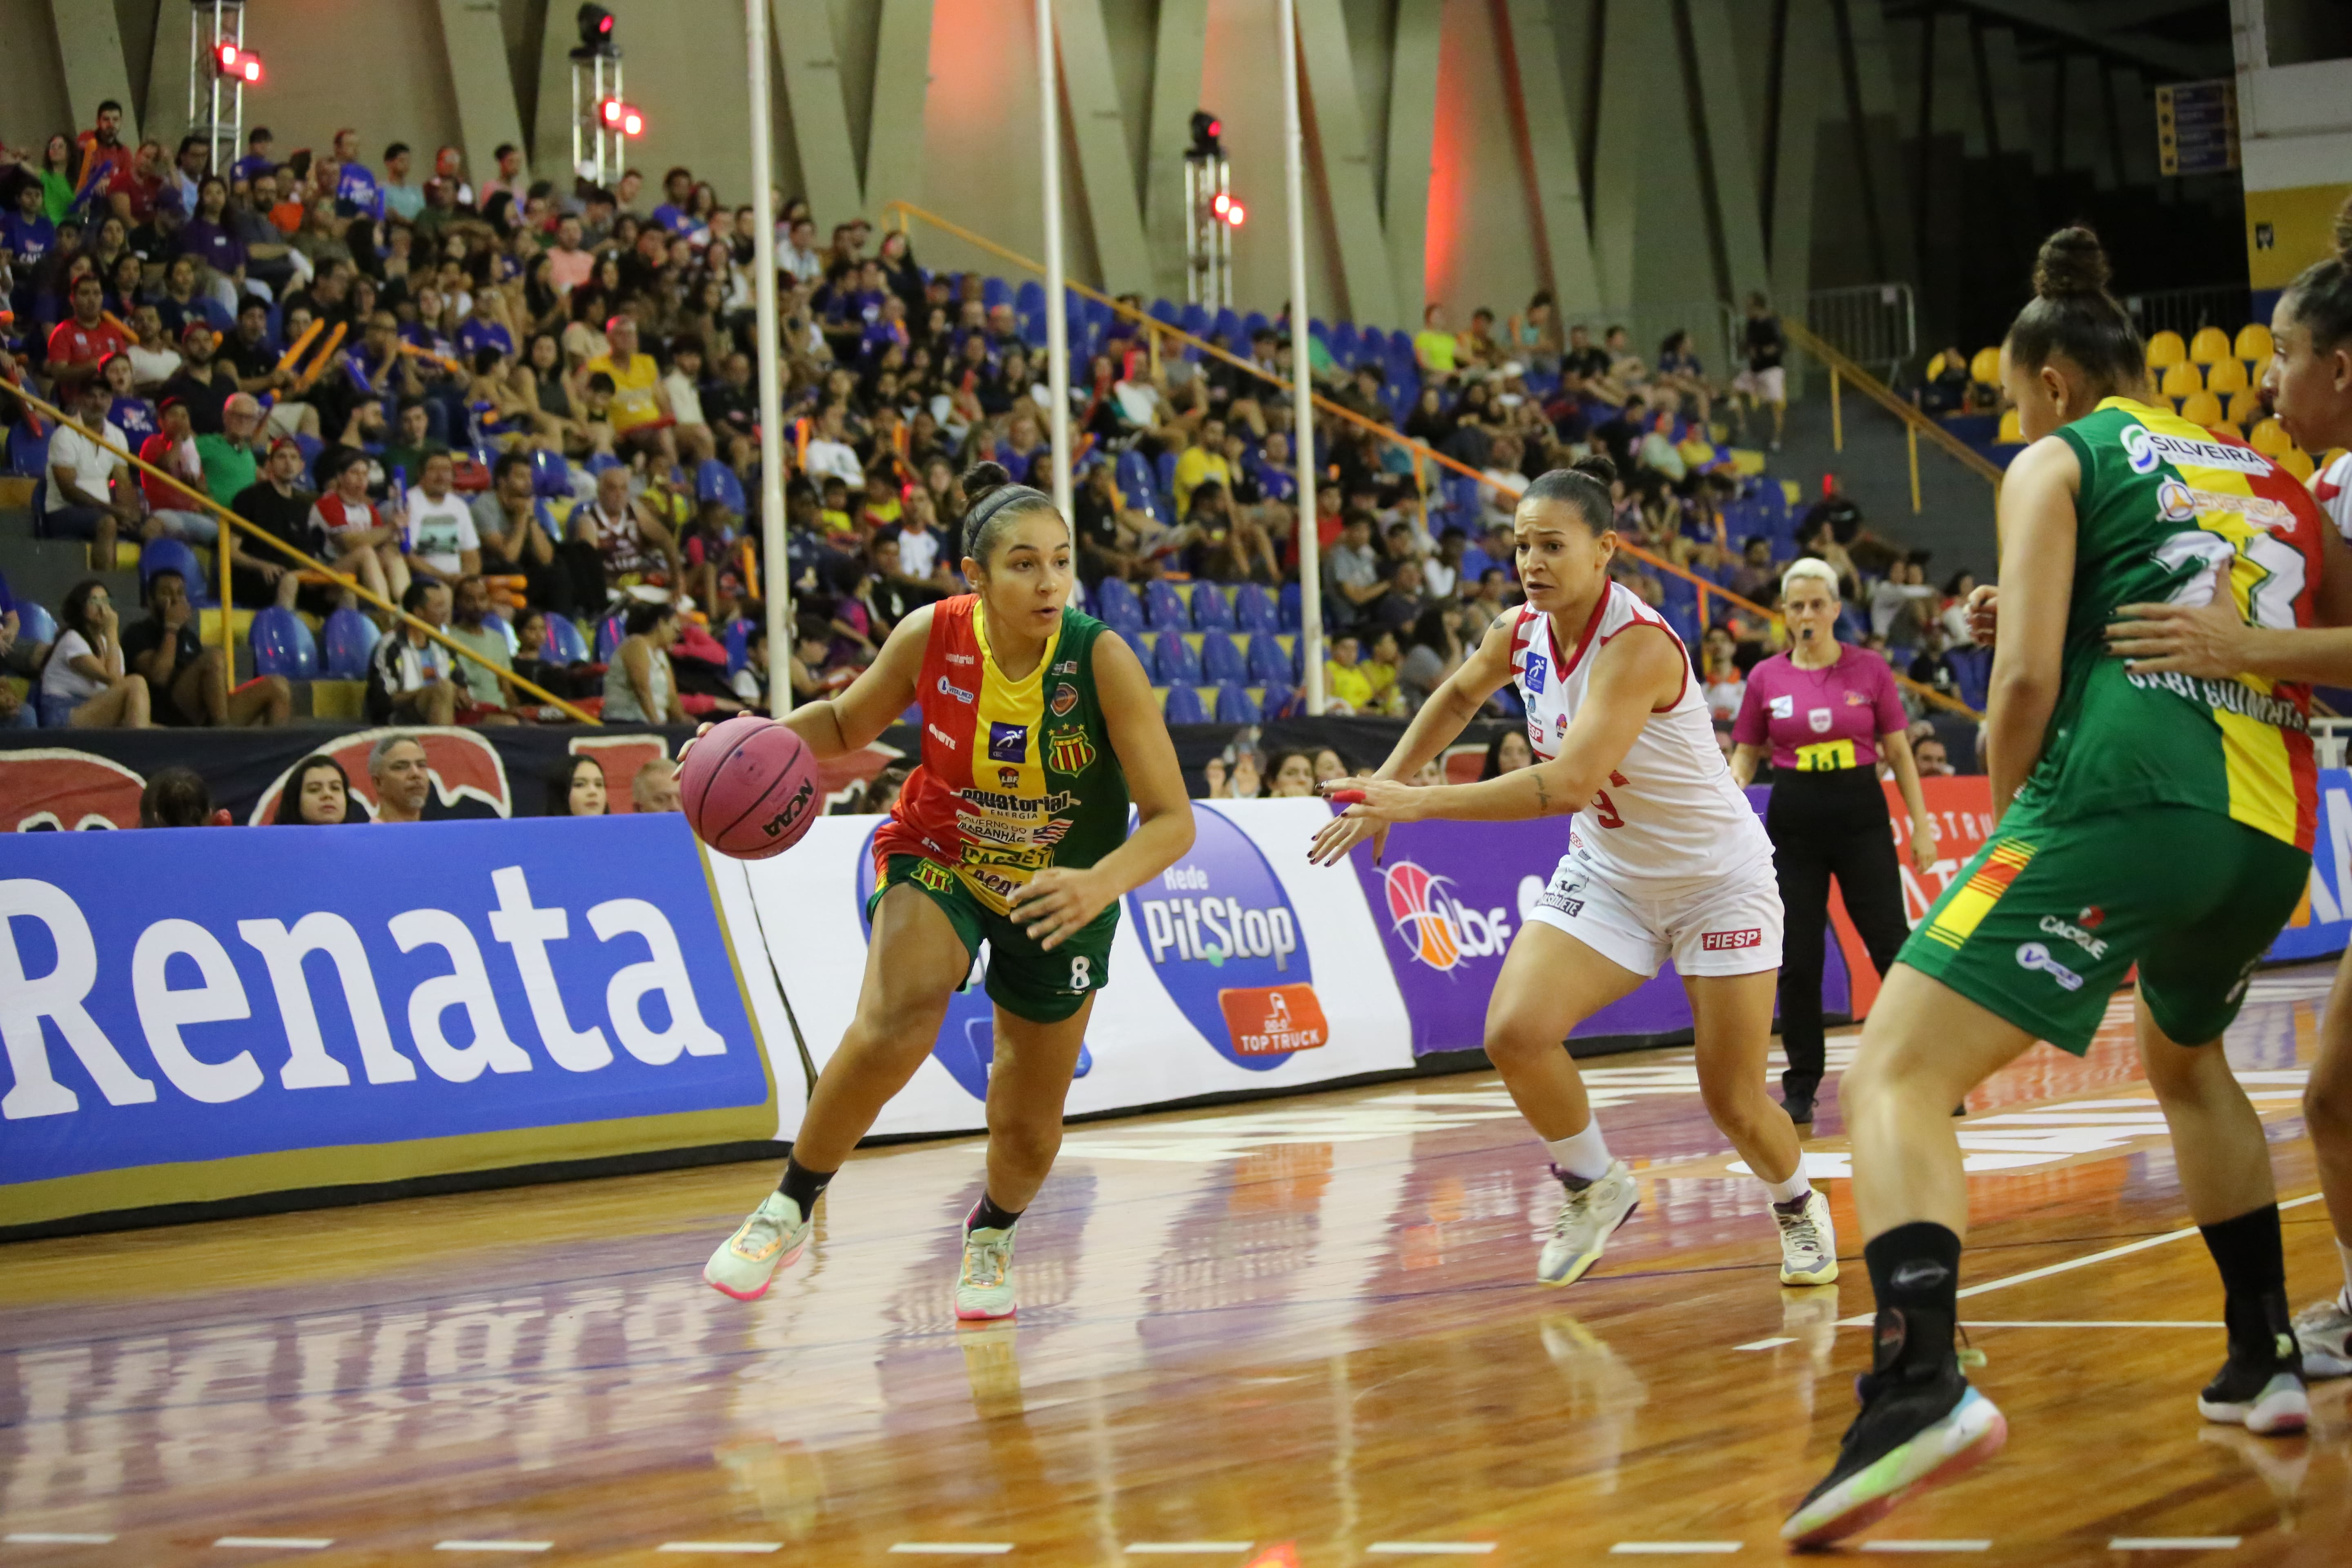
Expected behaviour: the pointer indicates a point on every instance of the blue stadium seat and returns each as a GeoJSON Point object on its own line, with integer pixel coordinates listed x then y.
{"type": "Point", "coordinates": [565, 644]}
{"type": "Point", "coordinates": [1183, 706]}
{"type": "Point", "coordinates": [714, 481]}
{"type": "Point", "coordinates": [1116, 607]}
{"type": "Point", "coordinates": [551, 475]}
{"type": "Point", "coordinates": [1195, 319]}
{"type": "Point", "coordinates": [738, 644]}
{"type": "Point", "coordinates": [1220, 660]}
{"type": "Point", "coordinates": [1255, 322]}
{"type": "Point", "coordinates": [35, 625]}
{"type": "Point", "coordinates": [913, 717]}
{"type": "Point", "coordinates": [1163, 606]}
{"type": "Point", "coordinates": [1173, 660]}
{"type": "Point", "coordinates": [171, 555]}
{"type": "Point", "coordinates": [995, 291]}
{"type": "Point", "coordinates": [1228, 326]}
{"type": "Point", "coordinates": [609, 632]}
{"type": "Point", "coordinates": [1343, 344]}
{"type": "Point", "coordinates": [350, 637]}
{"type": "Point", "coordinates": [1029, 298]}
{"type": "Point", "coordinates": [1235, 704]}
{"type": "Point", "coordinates": [1167, 474]}
{"type": "Point", "coordinates": [283, 645]}
{"type": "Point", "coordinates": [1254, 609]}
{"type": "Point", "coordinates": [1279, 699]}
{"type": "Point", "coordinates": [1288, 612]}
{"type": "Point", "coordinates": [28, 455]}
{"type": "Point", "coordinates": [1211, 608]}
{"type": "Point", "coordinates": [1972, 672]}
{"type": "Point", "coordinates": [1267, 664]}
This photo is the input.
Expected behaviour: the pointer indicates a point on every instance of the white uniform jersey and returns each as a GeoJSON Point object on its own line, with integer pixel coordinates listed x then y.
{"type": "Point", "coordinates": [1670, 812]}
{"type": "Point", "coordinates": [2332, 488]}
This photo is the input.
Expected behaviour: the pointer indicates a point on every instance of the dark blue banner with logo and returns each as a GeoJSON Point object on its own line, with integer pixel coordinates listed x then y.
{"type": "Point", "coordinates": [265, 1007]}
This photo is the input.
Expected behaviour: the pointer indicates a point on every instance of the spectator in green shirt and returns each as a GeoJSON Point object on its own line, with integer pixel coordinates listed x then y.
{"type": "Point", "coordinates": [1434, 346]}
{"type": "Point", "coordinates": [411, 444]}
{"type": "Point", "coordinates": [228, 457]}
{"type": "Point", "coordinates": [470, 627]}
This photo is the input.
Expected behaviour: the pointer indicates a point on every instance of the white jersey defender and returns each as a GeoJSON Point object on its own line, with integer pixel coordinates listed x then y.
{"type": "Point", "coordinates": [1667, 859]}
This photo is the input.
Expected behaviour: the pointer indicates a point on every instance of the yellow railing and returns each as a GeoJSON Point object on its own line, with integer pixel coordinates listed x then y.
{"type": "Point", "coordinates": [906, 211]}
{"type": "Point", "coordinates": [231, 523]}
{"type": "Point", "coordinates": [1915, 424]}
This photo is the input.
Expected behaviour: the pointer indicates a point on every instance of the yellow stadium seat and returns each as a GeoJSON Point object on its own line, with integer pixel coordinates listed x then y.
{"type": "Point", "coordinates": [2012, 433]}
{"type": "Point", "coordinates": [2183, 379]}
{"type": "Point", "coordinates": [2254, 345]}
{"type": "Point", "coordinates": [2166, 350]}
{"type": "Point", "coordinates": [2226, 376]}
{"type": "Point", "coordinates": [2296, 461]}
{"type": "Point", "coordinates": [2204, 408]}
{"type": "Point", "coordinates": [1985, 368]}
{"type": "Point", "coordinates": [2245, 409]}
{"type": "Point", "coordinates": [2270, 439]}
{"type": "Point", "coordinates": [1934, 367]}
{"type": "Point", "coordinates": [2210, 344]}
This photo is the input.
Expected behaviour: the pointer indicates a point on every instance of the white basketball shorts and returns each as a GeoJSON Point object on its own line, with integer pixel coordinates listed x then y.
{"type": "Point", "coordinates": [1764, 385]}
{"type": "Point", "coordinates": [1720, 925]}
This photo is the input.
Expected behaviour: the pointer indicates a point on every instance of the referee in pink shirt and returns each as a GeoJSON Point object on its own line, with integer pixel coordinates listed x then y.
{"type": "Point", "coordinates": [1826, 711]}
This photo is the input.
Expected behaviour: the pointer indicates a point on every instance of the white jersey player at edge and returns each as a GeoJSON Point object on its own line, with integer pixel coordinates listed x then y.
{"type": "Point", "coordinates": [1666, 859]}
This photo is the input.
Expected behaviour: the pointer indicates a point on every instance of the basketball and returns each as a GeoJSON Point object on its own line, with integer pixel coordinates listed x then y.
{"type": "Point", "coordinates": [749, 788]}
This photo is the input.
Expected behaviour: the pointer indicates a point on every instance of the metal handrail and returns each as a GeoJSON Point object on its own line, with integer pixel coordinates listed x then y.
{"type": "Point", "coordinates": [231, 520]}
{"type": "Point", "coordinates": [1421, 453]}
{"type": "Point", "coordinates": [1843, 368]}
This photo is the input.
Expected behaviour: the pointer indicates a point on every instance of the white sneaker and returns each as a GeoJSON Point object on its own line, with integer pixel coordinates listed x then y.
{"type": "Point", "coordinates": [2323, 1331]}
{"type": "Point", "coordinates": [1588, 1217]}
{"type": "Point", "coordinates": [1808, 1242]}
{"type": "Point", "coordinates": [984, 1285]}
{"type": "Point", "coordinates": [772, 1239]}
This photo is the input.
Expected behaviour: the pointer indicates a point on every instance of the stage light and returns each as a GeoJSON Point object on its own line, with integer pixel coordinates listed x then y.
{"type": "Point", "coordinates": [1206, 130]}
{"type": "Point", "coordinates": [241, 64]}
{"type": "Point", "coordinates": [626, 118]}
{"type": "Point", "coordinates": [1235, 213]}
{"type": "Point", "coordinates": [1220, 204]}
{"type": "Point", "coordinates": [595, 27]}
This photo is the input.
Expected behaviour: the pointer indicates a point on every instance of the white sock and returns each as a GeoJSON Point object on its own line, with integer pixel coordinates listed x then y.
{"type": "Point", "coordinates": [1584, 1155]}
{"type": "Point", "coordinates": [2344, 1252]}
{"type": "Point", "coordinates": [1790, 1191]}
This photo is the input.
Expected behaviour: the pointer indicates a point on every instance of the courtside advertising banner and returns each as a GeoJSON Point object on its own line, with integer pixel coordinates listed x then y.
{"type": "Point", "coordinates": [1240, 970]}
{"type": "Point", "coordinates": [2322, 923]}
{"type": "Point", "coordinates": [208, 1013]}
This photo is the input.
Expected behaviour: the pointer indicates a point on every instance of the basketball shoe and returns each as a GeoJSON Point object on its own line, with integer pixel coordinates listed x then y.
{"type": "Point", "coordinates": [2262, 1393]}
{"type": "Point", "coordinates": [1590, 1213]}
{"type": "Point", "coordinates": [1920, 1426]}
{"type": "Point", "coordinates": [984, 1284]}
{"type": "Point", "coordinates": [2324, 1330]}
{"type": "Point", "coordinates": [1808, 1241]}
{"type": "Point", "coordinates": [772, 1239]}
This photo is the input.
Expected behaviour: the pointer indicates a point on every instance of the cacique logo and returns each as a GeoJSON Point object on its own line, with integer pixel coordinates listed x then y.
{"type": "Point", "coordinates": [1218, 922]}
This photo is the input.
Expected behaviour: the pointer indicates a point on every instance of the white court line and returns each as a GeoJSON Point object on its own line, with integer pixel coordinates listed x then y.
{"type": "Point", "coordinates": [747, 1548]}
{"type": "Point", "coordinates": [55, 1538]}
{"type": "Point", "coordinates": [1670, 1548]}
{"type": "Point", "coordinates": [285, 1543]}
{"type": "Point", "coordinates": [1431, 1548]}
{"type": "Point", "coordinates": [2048, 1269]}
{"type": "Point", "coordinates": [1772, 1343]}
{"type": "Point", "coordinates": [2172, 1543]}
{"type": "Point", "coordinates": [493, 1545]}
{"type": "Point", "coordinates": [953, 1548]}
{"type": "Point", "coordinates": [1177, 1548]}
{"type": "Point", "coordinates": [1927, 1546]}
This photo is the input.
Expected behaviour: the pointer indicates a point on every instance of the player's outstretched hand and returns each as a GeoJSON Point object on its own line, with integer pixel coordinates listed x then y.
{"type": "Point", "coordinates": [1057, 902]}
{"type": "Point", "coordinates": [1370, 804]}
{"type": "Point", "coordinates": [2208, 640]}
{"type": "Point", "coordinates": [700, 730]}
{"type": "Point", "coordinates": [1984, 613]}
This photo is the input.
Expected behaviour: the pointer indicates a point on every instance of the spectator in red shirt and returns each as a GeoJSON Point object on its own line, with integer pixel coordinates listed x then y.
{"type": "Point", "coordinates": [137, 187]}
{"type": "Point", "coordinates": [172, 509]}
{"type": "Point", "coordinates": [78, 345]}
{"type": "Point", "coordinates": [103, 148]}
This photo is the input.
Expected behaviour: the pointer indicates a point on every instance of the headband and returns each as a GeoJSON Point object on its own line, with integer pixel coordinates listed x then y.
{"type": "Point", "coordinates": [999, 500]}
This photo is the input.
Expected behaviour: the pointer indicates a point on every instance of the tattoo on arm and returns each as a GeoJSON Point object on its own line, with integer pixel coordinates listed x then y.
{"type": "Point", "coordinates": [1543, 796]}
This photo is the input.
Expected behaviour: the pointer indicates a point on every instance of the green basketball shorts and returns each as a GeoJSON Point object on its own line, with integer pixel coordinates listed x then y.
{"type": "Point", "coordinates": [2042, 925]}
{"type": "Point", "coordinates": [1024, 979]}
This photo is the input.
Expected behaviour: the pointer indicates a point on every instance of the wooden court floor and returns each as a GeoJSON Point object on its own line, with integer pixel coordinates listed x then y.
{"type": "Point", "coordinates": [1298, 1333]}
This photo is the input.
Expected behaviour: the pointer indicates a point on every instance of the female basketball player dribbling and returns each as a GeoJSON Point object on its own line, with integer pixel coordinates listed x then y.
{"type": "Point", "coordinates": [2117, 500]}
{"type": "Point", "coordinates": [1038, 724]}
{"type": "Point", "coordinates": [1666, 858]}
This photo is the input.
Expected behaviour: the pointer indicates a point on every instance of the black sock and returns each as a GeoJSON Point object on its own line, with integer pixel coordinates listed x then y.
{"type": "Point", "coordinates": [2251, 1257]}
{"type": "Point", "coordinates": [1915, 1269]}
{"type": "Point", "coordinates": [986, 1216]}
{"type": "Point", "coordinates": [803, 1185]}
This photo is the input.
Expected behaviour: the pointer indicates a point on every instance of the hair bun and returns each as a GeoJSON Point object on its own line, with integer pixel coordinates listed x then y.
{"type": "Point", "coordinates": [1596, 468]}
{"type": "Point", "coordinates": [981, 480]}
{"type": "Point", "coordinates": [2071, 263]}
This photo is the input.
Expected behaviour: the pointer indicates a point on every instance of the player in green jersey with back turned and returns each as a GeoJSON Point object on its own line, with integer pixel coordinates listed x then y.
{"type": "Point", "coordinates": [2147, 819]}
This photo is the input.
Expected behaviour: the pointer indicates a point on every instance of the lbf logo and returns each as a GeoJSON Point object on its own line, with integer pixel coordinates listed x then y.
{"type": "Point", "coordinates": [1439, 931]}
{"type": "Point", "coordinates": [1224, 942]}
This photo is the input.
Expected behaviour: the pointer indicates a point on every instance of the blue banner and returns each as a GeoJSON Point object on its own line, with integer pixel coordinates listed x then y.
{"type": "Point", "coordinates": [2322, 925]}
{"type": "Point", "coordinates": [490, 993]}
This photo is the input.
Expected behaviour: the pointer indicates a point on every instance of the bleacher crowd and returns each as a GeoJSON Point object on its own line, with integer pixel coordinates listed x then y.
{"type": "Point", "coordinates": [527, 414]}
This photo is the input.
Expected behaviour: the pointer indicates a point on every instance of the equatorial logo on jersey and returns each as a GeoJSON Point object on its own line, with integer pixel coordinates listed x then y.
{"type": "Point", "coordinates": [1537, 668]}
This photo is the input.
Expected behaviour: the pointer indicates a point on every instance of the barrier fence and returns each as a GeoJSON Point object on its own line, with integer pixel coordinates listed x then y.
{"type": "Point", "coordinates": [503, 1001]}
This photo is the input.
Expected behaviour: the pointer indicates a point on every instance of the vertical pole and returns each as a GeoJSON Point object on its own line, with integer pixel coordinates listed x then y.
{"type": "Point", "coordinates": [228, 613]}
{"type": "Point", "coordinates": [1310, 550]}
{"type": "Point", "coordinates": [1057, 321]}
{"type": "Point", "coordinates": [1911, 439]}
{"type": "Point", "coordinates": [1837, 415]}
{"type": "Point", "coordinates": [773, 549]}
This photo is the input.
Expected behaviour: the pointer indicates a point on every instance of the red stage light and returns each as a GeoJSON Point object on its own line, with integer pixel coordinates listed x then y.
{"type": "Point", "coordinates": [1235, 214]}
{"type": "Point", "coordinates": [1219, 203]}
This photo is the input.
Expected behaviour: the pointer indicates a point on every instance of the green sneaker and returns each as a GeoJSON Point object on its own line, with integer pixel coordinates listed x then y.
{"type": "Point", "coordinates": [772, 1239]}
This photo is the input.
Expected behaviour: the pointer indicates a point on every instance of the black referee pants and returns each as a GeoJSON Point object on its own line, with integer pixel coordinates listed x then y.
{"type": "Point", "coordinates": [1826, 825]}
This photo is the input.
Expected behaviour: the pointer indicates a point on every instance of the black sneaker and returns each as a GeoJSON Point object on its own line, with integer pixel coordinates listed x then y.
{"type": "Point", "coordinates": [2263, 1394]}
{"type": "Point", "coordinates": [1919, 1428]}
{"type": "Point", "coordinates": [1799, 1104]}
